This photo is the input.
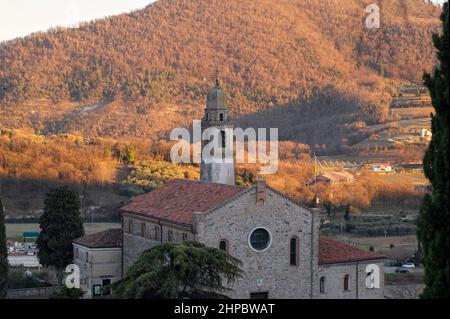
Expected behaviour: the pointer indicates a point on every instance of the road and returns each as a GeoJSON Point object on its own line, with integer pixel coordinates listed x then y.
{"type": "Point", "coordinates": [392, 269]}
{"type": "Point", "coordinates": [26, 261]}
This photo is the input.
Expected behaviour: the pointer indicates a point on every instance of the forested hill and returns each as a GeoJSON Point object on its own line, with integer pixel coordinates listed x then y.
{"type": "Point", "coordinates": [140, 74]}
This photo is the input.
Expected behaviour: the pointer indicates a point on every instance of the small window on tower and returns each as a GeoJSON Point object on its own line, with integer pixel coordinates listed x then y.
{"type": "Point", "coordinates": [221, 117]}
{"type": "Point", "coordinates": [222, 137]}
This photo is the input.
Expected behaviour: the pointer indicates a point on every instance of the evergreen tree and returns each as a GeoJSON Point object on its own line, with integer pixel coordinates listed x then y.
{"type": "Point", "coordinates": [347, 213]}
{"type": "Point", "coordinates": [3, 255]}
{"type": "Point", "coordinates": [433, 223]}
{"type": "Point", "coordinates": [130, 153]}
{"type": "Point", "coordinates": [60, 225]}
{"type": "Point", "coordinates": [67, 293]}
{"type": "Point", "coordinates": [185, 270]}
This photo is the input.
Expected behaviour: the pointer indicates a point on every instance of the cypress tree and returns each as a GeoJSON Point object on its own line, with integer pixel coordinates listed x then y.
{"type": "Point", "coordinates": [433, 222]}
{"type": "Point", "coordinates": [3, 255]}
{"type": "Point", "coordinates": [60, 225]}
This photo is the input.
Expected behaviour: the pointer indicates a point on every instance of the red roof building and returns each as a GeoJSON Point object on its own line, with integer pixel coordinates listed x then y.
{"type": "Point", "coordinates": [177, 200]}
{"type": "Point", "coordinates": [332, 251]}
{"type": "Point", "coordinates": [110, 238]}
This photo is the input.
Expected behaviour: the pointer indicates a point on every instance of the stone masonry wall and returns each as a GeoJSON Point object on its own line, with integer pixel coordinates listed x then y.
{"type": "Point", "coordinates": [270, 270]}
{"type": "Point", "coordinates": [334, 281]}
{"type": "Point", "coordinates": [139, 238]}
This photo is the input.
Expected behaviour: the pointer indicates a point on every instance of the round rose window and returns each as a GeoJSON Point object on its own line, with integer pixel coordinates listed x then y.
{"type": "Point", "coordinates": [259, 239]}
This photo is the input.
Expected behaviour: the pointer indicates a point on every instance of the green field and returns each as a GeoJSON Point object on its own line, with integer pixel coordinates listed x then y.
{"type": "Point", "coordinates": [412, 112]}
{"type": "Point", "coordinates": [402, 246]}
{"type": "Point", "coordinates": [14, 231]}
{"type": "Point", "coordinates": [401, 279]}
{"type": "Point", "coordinates": [411, 178]}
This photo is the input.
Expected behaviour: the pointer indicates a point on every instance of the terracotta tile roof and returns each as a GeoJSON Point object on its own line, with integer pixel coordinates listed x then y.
{"type": "Point", "coordinates": [337, 175]}
{"type": "Point", "coordinates": [109, 238]}
{"type": "Point", "coordinates": [178, 199]}
{"type": "Point", "coordinates": [332, 251]}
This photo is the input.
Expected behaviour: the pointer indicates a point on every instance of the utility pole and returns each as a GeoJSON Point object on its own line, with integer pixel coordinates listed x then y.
{"type": "Point", "coordinates": [315, 181]}
{"type": "Point", "coordinates": [81, 203]}
{"type": "Point", "coordinates": [315, 165]}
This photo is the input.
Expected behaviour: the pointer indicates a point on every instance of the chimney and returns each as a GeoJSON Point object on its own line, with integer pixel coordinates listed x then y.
{"type": "Point", "coordinates": [260, 190]}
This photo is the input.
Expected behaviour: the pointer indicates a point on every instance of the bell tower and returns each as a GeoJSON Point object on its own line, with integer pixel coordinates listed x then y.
{"type": "Point", "coordinates": [216, 115]}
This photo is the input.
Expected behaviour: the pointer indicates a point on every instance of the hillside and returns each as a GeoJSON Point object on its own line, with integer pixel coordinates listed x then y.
{"type": "Point", "coordinates": [107, 173]}
{"type": "Point", "coordinates": [301, 65]}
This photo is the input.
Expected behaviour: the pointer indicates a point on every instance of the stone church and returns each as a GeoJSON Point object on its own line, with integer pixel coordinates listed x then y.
{"type": "Point", "coordinates": [276, 238]}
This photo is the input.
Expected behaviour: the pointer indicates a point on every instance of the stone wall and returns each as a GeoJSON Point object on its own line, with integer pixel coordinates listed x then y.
{"type": "Point", "coordinates": [270, 270]}
{"type": "Point", "coordinates": [32, 293]}
{"type": "Point", "coordinates": [139, 238]}
{"type": "Point", "coordinates": [97, 264]}
{"type": "Point", "coordinates": [334, 274]}
{"type": "Point", "coordinates": [266, 271]}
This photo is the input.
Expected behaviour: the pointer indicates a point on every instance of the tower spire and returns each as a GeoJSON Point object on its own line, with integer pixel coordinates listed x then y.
{"type": "Point", "coordinates": [216, 116]}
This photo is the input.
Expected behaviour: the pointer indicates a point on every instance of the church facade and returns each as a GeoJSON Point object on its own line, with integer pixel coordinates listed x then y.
{"type": "Point", "coordinates": [276, 238]}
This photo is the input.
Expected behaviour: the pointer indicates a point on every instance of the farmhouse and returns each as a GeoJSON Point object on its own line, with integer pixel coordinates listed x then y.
{"type": "Point", "coordinates": [335, 177]}
{"type": "Point", "coordinates": [381, 167]}
{"type": "Point", "coordinates": [276, 238]}
{"type": "Point", "coordinates": [99, 258]}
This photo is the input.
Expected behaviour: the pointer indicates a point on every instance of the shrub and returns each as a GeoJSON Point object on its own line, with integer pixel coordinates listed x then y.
{"type": "Point", "coordinates": [19, 279]}
{"type": "Point", "coordinates": [67, 293]}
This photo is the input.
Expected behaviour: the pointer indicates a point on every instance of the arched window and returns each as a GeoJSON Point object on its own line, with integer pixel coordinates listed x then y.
{"type": "Point", "coordinates": [346, 282]}
{"type": "Point", "coordinates": [223, 245]}
{"type": "Point", "coordinates": [221, 117]}
{"type": "Point", "coordinates": [222, 137]}
{"type": "Point", "coordinates": [157, 234]}
{"type": "Point", "coordinates": [293, 251]}
{"type": "Point", "coordinates": [130, 226]}
{"type": "Point", "coordinates": [142, 229]}
{"type": "Point", "coordinates": [322, 285]}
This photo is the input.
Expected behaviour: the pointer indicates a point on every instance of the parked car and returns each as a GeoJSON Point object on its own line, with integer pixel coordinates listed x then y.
{"type": "Point", "coordinates": [409, 265]}
{"type": "Point", "coordinates": [402, 270]}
